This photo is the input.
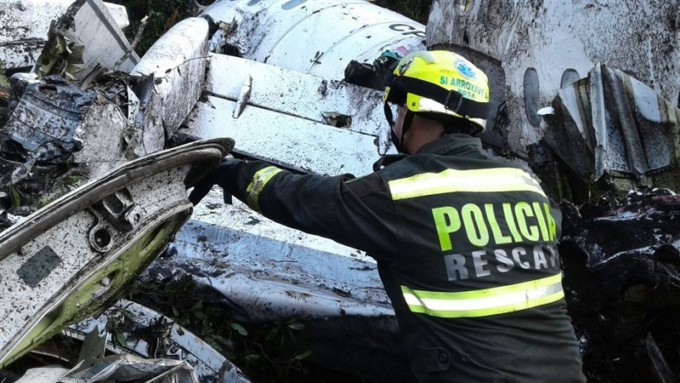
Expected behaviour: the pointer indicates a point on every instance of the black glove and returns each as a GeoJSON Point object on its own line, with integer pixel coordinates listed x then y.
{"type": "Point", "coordinates": [224, 176]}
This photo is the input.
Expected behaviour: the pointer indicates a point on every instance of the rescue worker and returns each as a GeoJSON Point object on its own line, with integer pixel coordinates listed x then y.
{"type": "Point", "coordinates": [465, 242]}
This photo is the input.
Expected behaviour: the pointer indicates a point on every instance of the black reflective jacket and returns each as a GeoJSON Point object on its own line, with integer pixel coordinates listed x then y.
{"type": "Point", "coordinates": [466, 250]}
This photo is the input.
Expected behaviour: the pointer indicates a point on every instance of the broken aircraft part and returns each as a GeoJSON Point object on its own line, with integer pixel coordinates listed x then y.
{"type": "Point", "coordinates": [616, 127]}
{"type": "Point", "coordinates": [26, 23]}
{"type": "Point", "coordinates": [59, 136]}
{"type": "Point", "coordinates": [318, 37]}
{"type": "Point", "coordinates": [75, 256]}
{"type": "Point", "coordinates": [493, 34]}
{"type": "Point", "coordinates": [529, 52]}
{"type": "Point", "coordinates": [84, 42]}
{"type": "Point", "coordinates": [177, 62]}
{"type": "Point", "coordinates": [146, 333]}
{"type": "Point", "coordinates": [274, 125]}
{"type": "Point", "coordinates": [622, 279]}
{"type": "Point", "coordinates": [264, 273]}
{"type": "Point", "coordinates": [116, 368]}
{"type": "Point", "coordinates": [51, 119]}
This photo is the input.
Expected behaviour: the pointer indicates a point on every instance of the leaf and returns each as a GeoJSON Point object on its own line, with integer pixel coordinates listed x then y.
{"type": "Point", "coordinates": [297, 326]}
{"type": "Point", "coordinates": [44, 201]}
{"type": "Point", "coordinates": [198, 306]}
{"type": "Point", "coordinates": [239, 329]}
{"type": "Point", "coordinates": [119, 338]}
{"type": "Point", "coordinates": [303, 355]}
{"type": "Point", "coordinates": [128, 315]}
{"type": "Point", "coordinates": [252, 357]}
{"type": "Point", "coordinates": [3, 79]}
{"type": "Point", "coordinates": [14, 196]}
{"type": "Point", "coordinates": [72, 180]}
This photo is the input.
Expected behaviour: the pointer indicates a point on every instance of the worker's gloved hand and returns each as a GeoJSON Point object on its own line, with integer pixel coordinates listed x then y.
{"type": "Point", "coordinates": [224, 176]}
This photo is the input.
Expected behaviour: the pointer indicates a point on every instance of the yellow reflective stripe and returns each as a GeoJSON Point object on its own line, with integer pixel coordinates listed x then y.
{"type": "Point", "coordinates": [453, 180]}
{"type": "Point", "coordinates": [256, 185]}
{"type": "Point", "coordinates": [497, 300]}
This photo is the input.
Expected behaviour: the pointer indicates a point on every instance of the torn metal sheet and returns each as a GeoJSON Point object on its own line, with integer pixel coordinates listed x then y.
{"type": "Point", "coordinates": [297, 94]}
{"type": "Point", "coordinates": [149, 334]}
{"type": "Point", "coordinates": [51, 374]}
{"type": "Point", "coordinates": [265, 272]}
{"type": "Point", "coordinates": [59, 136]}
{"type": "Point", "coordinates": [318, 37]}
{"type": "Point", "coordinates": [116, 368]}
{"type": "Point", "coordinates": [84, 42]}
{"type": "Point", "coordinates": [75, 256]}
{"type": "Point", "coordinates": [269, 279]}
{"type": "Point", "coordinates": [125, 368]}
{"type": "Point", "coordinates": [530, 51]}
{"type": "Point", "coordinates": [287, 140]}
{"type": "Point", "coordinates": [26, 23]}
{"type": "Point", "coordinates": [49, 112]}
{"type": "Point", "coordinates": [622, 277]}
{"type": "Point", "coordinates": [616, 126]}
{"type": "Point", "coordinates": [273, 124]}
{"type": "Point", "coordinates": [177, 63]}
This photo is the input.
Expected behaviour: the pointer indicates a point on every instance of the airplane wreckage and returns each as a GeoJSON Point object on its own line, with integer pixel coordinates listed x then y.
{"type": "Point", "coordinates": [98, 147]}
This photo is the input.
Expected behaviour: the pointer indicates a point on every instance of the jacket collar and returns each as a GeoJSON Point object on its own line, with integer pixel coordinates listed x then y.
{"type": "Point", "coordinates": [451, 144]}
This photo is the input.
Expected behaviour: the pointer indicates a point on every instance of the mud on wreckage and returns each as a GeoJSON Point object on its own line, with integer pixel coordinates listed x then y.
{"type": "Point", "coordinates": [605, 142]}
{"type": "Point", "coordinates": [84, 135]}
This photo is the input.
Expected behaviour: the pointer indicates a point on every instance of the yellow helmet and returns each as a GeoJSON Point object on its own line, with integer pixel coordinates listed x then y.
{"type": "Point", "coordinates": [440, 82]}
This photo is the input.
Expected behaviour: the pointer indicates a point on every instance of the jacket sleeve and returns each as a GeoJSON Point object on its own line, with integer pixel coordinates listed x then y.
{"type": "Point", "coordinates": [357, 212]}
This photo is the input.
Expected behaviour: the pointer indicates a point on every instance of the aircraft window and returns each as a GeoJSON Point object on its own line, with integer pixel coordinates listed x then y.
{"type": "Point", "coordinates": [569, 77]}
{"type": "Point", "coordinates": [292, 4]}
{"type": "Point", "coordinates": [531, 96]}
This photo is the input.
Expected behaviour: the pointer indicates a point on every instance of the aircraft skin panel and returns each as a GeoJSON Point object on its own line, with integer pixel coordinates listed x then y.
{"type": "Point", "coordinates": [297, 34]}
{"type": "Point", "coordinates": [297, 94]}
{"type": "Point", "coordinates": [284, 139]}
{"type": "Point", "coordinates": [555, 38]}
{"type": "Point", "coordinates": [20, 45]}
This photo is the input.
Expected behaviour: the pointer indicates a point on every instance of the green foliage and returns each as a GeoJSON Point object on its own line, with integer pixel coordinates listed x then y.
{"type": "Point", "coordinates": [163, 14]}
{"type": "Point", "coordinates": [15, 196]}
{"type": "Point", "coordinates": [417, 10]}
{"type": "Point", "coordinates": [266, 352]}
{"type": "Point", "coordinates": [44, 201]}
{"type": "Point", "coordinates": [117, 332]}
{"type": "Point", "coordinates": [60, 56]}
{"type": "Point", "coordinates": [3, 79]}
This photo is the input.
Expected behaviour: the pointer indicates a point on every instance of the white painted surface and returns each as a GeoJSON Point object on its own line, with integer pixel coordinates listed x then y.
{"type": "Point", "coordinates": [284, 139]}
{"type": "Point", "coordinates": [298, 94]}
{"type": "Point", "coordinates": [207, 363]}
{"type": "Point", "coordinates": [69, 242]}
{"type": "Point", "coordinates": [319, 37]}
{"type": "Point", "coordinates": [177, 60]}
{"type": "Point", "coordinates": [105, 43]}
{"type": "Point", "coordinates": [25, 24]}
{"type": "Point", "coordinates": [270, 271]}
{"type": "Point", "coordinates": [66, 246]}
{"type": "Point", "coordinates": [553, 36]}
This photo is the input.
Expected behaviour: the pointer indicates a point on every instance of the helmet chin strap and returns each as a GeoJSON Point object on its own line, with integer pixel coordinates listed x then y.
{"type": "Point", "coordinates": [398, 142]}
